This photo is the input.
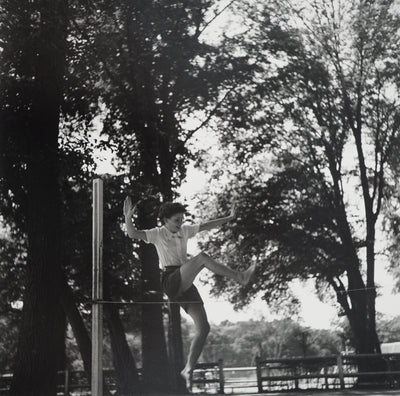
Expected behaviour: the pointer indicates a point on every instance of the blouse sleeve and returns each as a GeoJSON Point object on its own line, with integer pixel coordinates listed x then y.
{"type": "Point", "coordinates": [191, 230]}
{"type": "Point", "coordinates": [152, 235]}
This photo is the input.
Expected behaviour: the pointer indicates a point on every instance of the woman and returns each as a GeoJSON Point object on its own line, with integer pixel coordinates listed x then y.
{"type": "Point", "coordinates": [179, 271]}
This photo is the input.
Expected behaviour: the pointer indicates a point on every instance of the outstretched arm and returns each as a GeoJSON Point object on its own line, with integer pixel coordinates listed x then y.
{"type": "Point", "coordinates": [208, 225]}
{"type": "Point", "coordinates": [129, 211]}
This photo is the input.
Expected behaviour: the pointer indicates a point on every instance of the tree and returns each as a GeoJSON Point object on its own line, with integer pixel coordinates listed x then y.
{"type": "Point", "coordinates": [34, 54]}
{"type": "Point", "coordinates": [41, 182]}
{"type": "Point", "coordinates": [326, 91]}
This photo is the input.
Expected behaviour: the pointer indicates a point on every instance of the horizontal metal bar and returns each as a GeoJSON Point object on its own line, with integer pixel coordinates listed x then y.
{"type": "Point", "coordinates": [319, 376]}
{"type": "Point", "coordinates": [205, 381]}
{"type": "Point", "coordinates": [144, 302]}
{"type": "Point", "coordinates": [371, 373]}
{"type": "Point", "coordinates": [329, 358]}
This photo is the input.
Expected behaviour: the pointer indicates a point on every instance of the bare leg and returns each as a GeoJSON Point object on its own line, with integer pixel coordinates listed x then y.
{"type": "Point", "coordinates": [199, 316]}
{"type": "Point", "coordinates": [190, 270]}
{"type": "Point", "coordinates": [242, 277]}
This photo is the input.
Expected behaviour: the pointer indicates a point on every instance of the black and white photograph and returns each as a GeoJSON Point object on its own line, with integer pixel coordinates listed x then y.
{"type": "Point", "coordinates": [199, 197]}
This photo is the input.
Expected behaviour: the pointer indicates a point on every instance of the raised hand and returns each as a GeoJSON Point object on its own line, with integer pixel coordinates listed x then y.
{"type": "Point", "coordinates": [129, 208]}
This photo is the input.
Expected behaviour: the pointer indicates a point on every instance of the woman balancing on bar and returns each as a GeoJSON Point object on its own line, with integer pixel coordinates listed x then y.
{"type": "Point", "coordinates": [179, 271]}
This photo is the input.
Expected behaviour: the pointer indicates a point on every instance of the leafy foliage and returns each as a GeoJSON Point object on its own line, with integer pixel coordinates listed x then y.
{"type": "Point", "coordinates": [239, 343]}
{"type": "Point", "coordinates": [322, 107]}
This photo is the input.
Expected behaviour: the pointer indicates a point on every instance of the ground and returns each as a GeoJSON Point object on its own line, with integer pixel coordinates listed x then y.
{"type": "Point", "coordinates": [336, 393]}
{"type": "Point", "coordinates": [308, 393]}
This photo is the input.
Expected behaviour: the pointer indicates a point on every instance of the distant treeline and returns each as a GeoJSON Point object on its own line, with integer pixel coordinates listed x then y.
{"type": "Point", "coordinates": [237, 343]}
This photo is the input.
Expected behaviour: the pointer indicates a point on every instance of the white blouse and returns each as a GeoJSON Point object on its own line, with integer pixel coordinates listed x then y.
{"type": "Point", "coordinates": [171, 247]}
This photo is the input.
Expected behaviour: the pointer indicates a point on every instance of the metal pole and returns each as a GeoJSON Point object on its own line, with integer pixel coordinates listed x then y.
{"type": "Point", "coordinates": [97, 290]}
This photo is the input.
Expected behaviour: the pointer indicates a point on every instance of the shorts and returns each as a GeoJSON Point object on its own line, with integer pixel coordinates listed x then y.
{"type": "Point", "coordinates": [170, 283]}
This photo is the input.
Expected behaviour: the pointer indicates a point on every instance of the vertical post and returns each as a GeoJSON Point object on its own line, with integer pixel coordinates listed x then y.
{"type": "Point", "coordinates": [97, 290]}
{"type": "Point", "coordinates": [66, 382]}
{"type": "Point", "coordinates": [326, 377]}
{"type": "Point", "coordinates": [340, 370]}
{"type": "Point", "coordinates": [221, 376]}
{"type": "Point", "coordinates": [259, 378]}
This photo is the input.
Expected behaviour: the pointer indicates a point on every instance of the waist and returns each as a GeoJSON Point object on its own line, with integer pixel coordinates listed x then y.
{"type": "Point", "coordinates": [170, 268]}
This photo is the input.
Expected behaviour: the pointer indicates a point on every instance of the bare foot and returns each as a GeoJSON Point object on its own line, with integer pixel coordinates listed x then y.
{"type": "Point", "coordinates": [246, 276]}
{"type": "Point", "coordinates": [186, 376]}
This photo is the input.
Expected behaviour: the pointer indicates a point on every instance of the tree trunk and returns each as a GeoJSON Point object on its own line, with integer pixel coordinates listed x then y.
{"type": "Point", "coordinates": [362, 317]}
{"type": "Point", "coordinates": [176, 348]}
{"type": "Point", "coordinates": [78, 326]}
{"type": "Point", "coordinates": [368, 332]}
{"type": "Point", "coordinates": [154, 348]}
{"type": "Point", "coordinates": [124, 362]}
{"type": "Point", "coordinates": [156, 171]}
{"type": "Point", "coordinates": [43, 325]}
{"type": "Point", "coordinates": [371, 290]}
{"type": "Point", "coordinates": [40, 348]}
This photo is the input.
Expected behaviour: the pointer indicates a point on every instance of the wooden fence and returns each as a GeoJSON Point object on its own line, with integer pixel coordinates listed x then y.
{"type": "Point", "coordinates": [208, 375]}
{"type": "Point", "coordinates": [269, 375]}
{"type": "Point", "coordinates": [330, 372]}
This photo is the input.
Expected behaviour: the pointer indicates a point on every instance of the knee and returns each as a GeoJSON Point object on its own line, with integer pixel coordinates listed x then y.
{"type": "Point", "coordinates": [204, 329]}
{"type": "Point", "coordinates": [200, 259]}
{"type": "Point", "coordinates": [203, 257]}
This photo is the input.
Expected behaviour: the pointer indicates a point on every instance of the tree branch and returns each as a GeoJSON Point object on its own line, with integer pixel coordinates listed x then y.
{"type": "Point", "coordinates": [208, 118]}
{"type": "Point", "coordinates": [213, 19]}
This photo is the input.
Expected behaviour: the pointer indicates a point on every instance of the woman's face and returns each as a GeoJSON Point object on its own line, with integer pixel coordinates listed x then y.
{"type": "Point", "coordinates": [174, 222]}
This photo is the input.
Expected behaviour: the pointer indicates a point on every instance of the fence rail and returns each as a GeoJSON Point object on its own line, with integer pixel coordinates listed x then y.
{"type": "Point", "coordinates": [331, 372]}
{"type": "Point", "coordinates": [209, 373]}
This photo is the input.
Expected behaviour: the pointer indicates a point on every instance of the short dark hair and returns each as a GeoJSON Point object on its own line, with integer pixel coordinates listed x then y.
{"type": "Point", "coordinates": [168, 209]}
